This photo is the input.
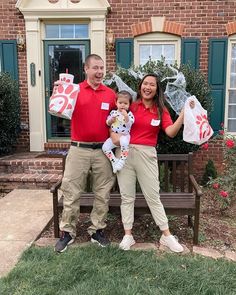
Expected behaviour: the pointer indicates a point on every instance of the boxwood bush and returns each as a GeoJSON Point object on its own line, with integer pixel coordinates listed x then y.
{"type": "Point", "coordinates": [9, 113]}
{"type": "Point", "coordinates": [196, 84]}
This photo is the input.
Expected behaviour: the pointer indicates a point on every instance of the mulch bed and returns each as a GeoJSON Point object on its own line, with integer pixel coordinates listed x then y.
{"type": "Point", "coordinates": [217, 228]}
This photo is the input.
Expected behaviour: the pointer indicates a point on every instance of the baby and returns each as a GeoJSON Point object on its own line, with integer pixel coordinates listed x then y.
{"type": "Point", "coordinates": [120, 121]}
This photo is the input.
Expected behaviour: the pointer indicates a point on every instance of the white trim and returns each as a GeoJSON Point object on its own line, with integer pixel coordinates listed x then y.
{"type": "Point", "coordinates": [157, 38]}
{"type": "Point", "coordinates": [231, 40]}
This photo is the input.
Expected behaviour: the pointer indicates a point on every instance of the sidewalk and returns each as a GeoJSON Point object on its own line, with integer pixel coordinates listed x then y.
{"type": "Point", "coordinates": [24, 214]}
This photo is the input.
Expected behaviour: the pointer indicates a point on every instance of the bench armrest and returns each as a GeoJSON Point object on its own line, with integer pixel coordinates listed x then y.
{"type": "Point", "coordinates": [195, 186]}
{"type": "Point", "coordinates": [56, 186]}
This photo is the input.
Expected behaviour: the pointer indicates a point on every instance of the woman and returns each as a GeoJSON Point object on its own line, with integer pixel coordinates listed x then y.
{"type": "Point", "coordinates": [150, 116]}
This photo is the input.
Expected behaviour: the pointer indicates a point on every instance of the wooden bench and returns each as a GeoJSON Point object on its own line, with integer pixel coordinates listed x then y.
{"type": "Point", "coordinates": [179, 192]}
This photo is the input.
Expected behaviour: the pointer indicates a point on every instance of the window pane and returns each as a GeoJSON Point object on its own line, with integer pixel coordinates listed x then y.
{"type": "Point", "coordinates": [52, 31]}
{"type": "Point", "coordinates": [233, 53]}
{"type": "Point", "coordinates": [169, 51]}
{"type": "Point", "coordinates": [232, 96]}
{"type": "Point", "coordinates": [233, 80]}
{"type": "Point", "coordinates": [232, 125]}
{"type": "Point", "coordinates": [67, 31]}
{"type": "Point", "coordinates": [233, 65]}
{"type": "Point", "coordinates": [156, 52]}
{"type": "Point", "coordinates": [232, 112]}
{"type": "Point", "coordinates": [144, 54]}
{"type": "Point", "coordinates": [81, 31]}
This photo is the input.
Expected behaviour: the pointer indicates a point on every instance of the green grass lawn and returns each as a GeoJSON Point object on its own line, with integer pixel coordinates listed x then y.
{"type": "Point", "coordinates": [96, 270]}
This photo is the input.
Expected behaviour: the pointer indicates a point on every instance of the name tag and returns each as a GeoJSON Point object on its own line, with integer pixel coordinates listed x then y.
{"type": "Point", "coordinates": [105, 106]}
{"type": "Point", "coordinates": [155, 122]}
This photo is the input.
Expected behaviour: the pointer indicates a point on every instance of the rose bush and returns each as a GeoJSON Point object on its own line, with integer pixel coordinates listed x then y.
{"type": "Point", "coordinates": [225, 184]}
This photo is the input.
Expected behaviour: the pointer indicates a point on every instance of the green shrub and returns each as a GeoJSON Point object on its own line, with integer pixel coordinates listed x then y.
{"type": "Point", "coordinates": [196, 84]}
{"type": "Point", "coordinates": [210, 172]}
{"type": "Point", "coordinates": [9, 113]}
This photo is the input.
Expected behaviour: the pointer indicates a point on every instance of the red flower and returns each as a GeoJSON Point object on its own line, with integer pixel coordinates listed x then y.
{"type": "Point", "coordinates": [229, 143]}
{"type": "Point", "coordinates": [222, 124]}
{"type": "Point", "coordinates": [221, 132]}
{"type": "Point", "coordinates": [205, 146]}
{"type": "Point", "coordinates": [215, 185]}
{"type": "Point", "coordinates": [224, 194]}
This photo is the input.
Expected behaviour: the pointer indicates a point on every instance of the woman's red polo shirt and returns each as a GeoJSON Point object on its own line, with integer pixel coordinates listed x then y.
{"type": "Point", "coordinates": [147, 125]}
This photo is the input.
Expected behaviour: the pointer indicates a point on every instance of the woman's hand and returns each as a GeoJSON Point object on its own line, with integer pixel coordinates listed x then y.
{"type": "Point", "coordinates": [172, 130]}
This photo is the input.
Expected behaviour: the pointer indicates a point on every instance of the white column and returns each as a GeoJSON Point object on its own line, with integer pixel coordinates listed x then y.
{"type": "Point", "coordinates": [98, 27]}
{"type": "Point", "coordinates": [35, 93]}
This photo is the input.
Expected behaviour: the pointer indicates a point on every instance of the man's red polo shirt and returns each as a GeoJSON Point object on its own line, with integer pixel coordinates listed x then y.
{"type": "Point", "coordinates": [147, 125]}
{"type": "Point", "coordinates": [88, 123]}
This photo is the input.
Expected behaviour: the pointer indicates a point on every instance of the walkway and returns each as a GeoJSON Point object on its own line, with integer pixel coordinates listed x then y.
{"type": "Point", "coordinates": [24, 215]}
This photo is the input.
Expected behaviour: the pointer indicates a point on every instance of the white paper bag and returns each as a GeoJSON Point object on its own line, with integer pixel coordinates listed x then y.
{"type": "Point", "coordinates": [197, 129]}
{"type": "Point", "coordinates": [63, 100]}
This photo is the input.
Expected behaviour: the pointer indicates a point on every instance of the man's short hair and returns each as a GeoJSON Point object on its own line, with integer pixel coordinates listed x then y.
{"type": "Point", "coordinates": [90, 56]}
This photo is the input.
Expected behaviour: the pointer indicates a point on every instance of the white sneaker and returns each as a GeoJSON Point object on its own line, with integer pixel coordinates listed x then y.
{"type": "Point", "coordinates": [171, 242]}
{"type": "Point", "coordinates": [127, 242]}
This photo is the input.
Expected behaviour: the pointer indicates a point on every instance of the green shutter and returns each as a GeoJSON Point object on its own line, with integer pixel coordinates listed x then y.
{"type": "Point", "coordinates": [217, 79]}
{"type": "Point", "coordinates": [8, 54]}
{"type": "Point", "coordinates": [124, 52]}
{"type": "Point", "coordinates": [190, 50]}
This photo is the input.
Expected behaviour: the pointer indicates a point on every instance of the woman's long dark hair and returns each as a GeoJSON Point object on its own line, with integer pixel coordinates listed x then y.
{"type": "Point", "coordinates": [158, 98]}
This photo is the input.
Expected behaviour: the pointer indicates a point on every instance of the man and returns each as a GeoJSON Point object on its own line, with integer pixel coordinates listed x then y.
{"type": "Point", "coordinates": [88, 133]}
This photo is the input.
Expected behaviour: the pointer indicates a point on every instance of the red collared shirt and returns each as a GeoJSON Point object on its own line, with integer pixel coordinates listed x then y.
{"type": "Point", "coordinates": [88, 123]}
{"type": "Point", "coordinates": [147, 125]}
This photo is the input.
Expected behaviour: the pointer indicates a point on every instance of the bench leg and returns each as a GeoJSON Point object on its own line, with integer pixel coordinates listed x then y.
{"type": "Point", "coordinates": [196, 228]}
{"type": "Point", "coordinates": [55, 215]}
{"type": "Point", "coordinates": [190, 221]}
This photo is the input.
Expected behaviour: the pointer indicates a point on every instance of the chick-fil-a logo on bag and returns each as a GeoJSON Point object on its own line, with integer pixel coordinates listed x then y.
{"type": "Point", "coordinates": [204, 126]}
{"type": "Point", "coordinates": [63, 99]}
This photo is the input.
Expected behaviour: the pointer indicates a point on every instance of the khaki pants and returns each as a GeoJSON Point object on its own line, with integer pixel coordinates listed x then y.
{"type": "Point", "coordinates": [78, 163]}
{"type": "Point", "coordinates": [141, 164]}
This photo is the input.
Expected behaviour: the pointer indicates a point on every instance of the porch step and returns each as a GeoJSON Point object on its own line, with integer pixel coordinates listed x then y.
{"type": "Point", "coordinates": [10, 181]}
{"type": "Point", "coordinates": [29, 171]}
{"type": "Point", "coordinates": [31, 166]}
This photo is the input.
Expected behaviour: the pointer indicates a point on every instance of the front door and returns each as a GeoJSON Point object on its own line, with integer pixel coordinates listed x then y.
{"type": "Point", "coordinates": [61, 57]}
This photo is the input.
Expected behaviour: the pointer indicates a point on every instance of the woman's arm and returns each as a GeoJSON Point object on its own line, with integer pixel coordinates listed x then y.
{"type": "Point", "coordinates": [172, 130]}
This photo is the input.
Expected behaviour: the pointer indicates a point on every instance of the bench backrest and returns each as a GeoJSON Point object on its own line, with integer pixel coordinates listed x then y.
{"type": "Point", "coordinates": [174, 171]}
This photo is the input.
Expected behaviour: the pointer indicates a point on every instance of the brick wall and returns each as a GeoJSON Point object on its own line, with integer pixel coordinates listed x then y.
{"type": "Point", "coordinates": [202, 19]}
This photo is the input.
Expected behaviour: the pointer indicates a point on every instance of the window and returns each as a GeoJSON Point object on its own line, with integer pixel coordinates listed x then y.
{"type": "Point", "coordinates": [231, 107]}
{"type": "Point", "coordinates": [155, 46]}
{"type": "Point", "coordinates": [66, 31]}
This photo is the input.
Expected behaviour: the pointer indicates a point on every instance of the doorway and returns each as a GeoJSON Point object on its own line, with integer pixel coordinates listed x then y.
{"type": "Point", "coordinates": [62, 57]}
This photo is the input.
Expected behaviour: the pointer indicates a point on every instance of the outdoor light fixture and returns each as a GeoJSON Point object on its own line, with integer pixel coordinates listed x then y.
{"type": "Point", "coordinates": [110, 41]}
{"type": "Point", "coordinates": [20, 40]}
